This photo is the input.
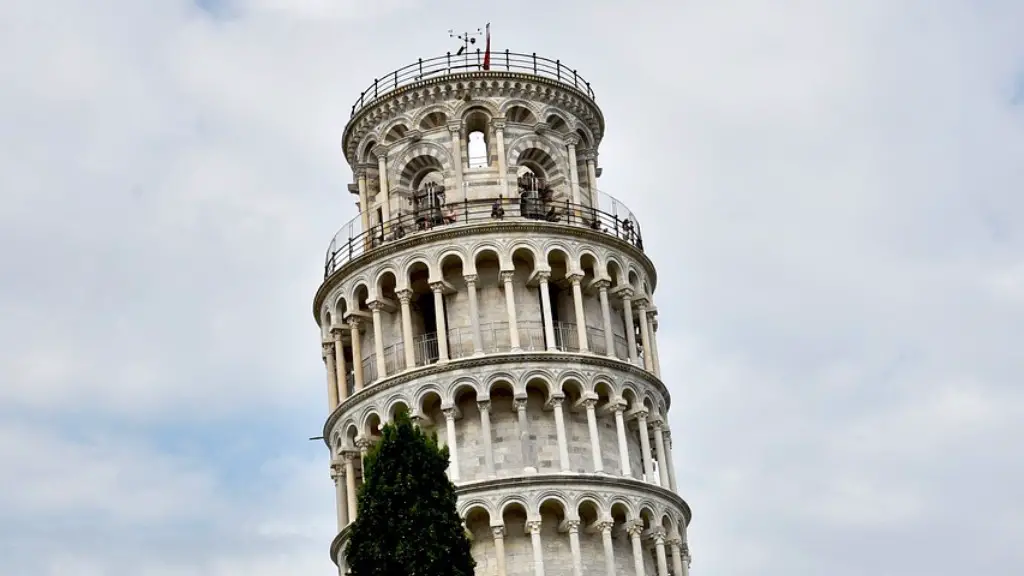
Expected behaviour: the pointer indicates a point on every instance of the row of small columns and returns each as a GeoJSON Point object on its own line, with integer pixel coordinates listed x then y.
{"type": "Point", "coordinates": [344, 469]}
{"type": "Point", "coordinates": [334, 357]}
{"type": "Point", "coordinates": [635, 529]}
{"type": "Point", "coordinates": [455, 127]}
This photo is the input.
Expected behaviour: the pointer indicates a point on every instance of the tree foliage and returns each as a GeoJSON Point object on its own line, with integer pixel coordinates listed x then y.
{"type": "Point", "coordinates": [407, 523]}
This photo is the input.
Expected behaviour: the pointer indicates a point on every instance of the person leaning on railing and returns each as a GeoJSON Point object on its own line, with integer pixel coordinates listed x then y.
{"type": "Point", "coordinates": [497, 212]}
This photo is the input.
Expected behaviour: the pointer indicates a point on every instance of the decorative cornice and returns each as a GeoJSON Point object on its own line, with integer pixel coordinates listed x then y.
{"type": "Point", "coordinates": [448, 233]}
{"type": "Point", "coordinates": [578, 481]}
{"type": "Point", "coordinates": [488, 360]}
{"type": "Point", "coordinates": [482, 84]}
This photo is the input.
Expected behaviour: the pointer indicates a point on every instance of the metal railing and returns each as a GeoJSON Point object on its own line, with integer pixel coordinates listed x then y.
{"type": "Point", "coordinates": [449, 64]}
{"type": "Point", "coordinates": [351, 241]}
{"type": "Point", "coordinates": [494, 338]}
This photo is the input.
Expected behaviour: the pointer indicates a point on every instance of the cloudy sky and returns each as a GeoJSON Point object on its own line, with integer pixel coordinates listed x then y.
{"type": "Point", "coordinates": [831, 191]}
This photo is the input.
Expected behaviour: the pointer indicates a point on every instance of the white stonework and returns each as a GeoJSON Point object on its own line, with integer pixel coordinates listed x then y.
{"type": "Point", "coordinates": [546, 384]}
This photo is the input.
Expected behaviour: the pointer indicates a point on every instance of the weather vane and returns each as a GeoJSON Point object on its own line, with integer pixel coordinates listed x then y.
{"type": "Point", "coordinates": [466, 38]}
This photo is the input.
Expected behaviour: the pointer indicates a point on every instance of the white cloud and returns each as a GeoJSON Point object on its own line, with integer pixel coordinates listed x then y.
{"type": "Point", "coordinates": [829, 191]}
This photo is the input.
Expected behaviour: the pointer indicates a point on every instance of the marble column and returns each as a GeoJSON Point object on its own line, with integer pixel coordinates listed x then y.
{"type": "Point", "coordinates": [627, 311]}
{"type": "Point", "coordinates": [498, 533]}
{"type": "Point", "coordinates": [442, 325]}
{"type": "Point", "coordinates": [332, 375]}
{"type": "Point", "coordinates": [543, 276]}
{"type": "Point", "coordinates": [659, 443]}
{"type": "Point", "coordinates": [474, 313]}
{"type": "Point", "coordinates": [581, 317]}
{"type": "Point", "coordinates": [456, 130]}
{"type": "Point", "coordinates": [499, 139]}
{"type": "Point", "coordinates": [350, 483]}
{"type": "Point", "coordinates": [595, 441]}
{"type": "Point", "coordinates": [620, 430]}
{"type": "Point", "coordinates": [452, 441]}
{"type": "Point", "coordinates": [609, 546]}
{"type": "Point", "coordinates": [533, 527]}
{"type": "Point", "coordinates": [674, 546]}
{"type": "Point", "coordinates": [523, 425]}
{"type": "Point", "coordinates": [357, 353]}
{"type": "Point", "coordinates": [510, 305]}
{"type": "Point", "coordinates": [653, 323]}
{"type": "Point", "coordinates": [364, 202]}
{"type": "Point", "coordinates": [485, 430]}
{"type": "Point", "coordinates": [609, 336]}
{"type": "Point", "coordinates": [339, 363]}
{"type": "Point", "coordinates": [385, 190]}
{"type": "Point", "coordinates": [592, 179]}
{"type": "Point", "coordinates": [405, 300]}
{"type": "Point", "coordinates": [645, 337]}
{"type": "Point", "coordinates": [563, 445]}
{"type": "Point", "coordinates": [659, 552]}
{"type": "Point", "coordinates": [573, 527]}
{"type": "Point", "coordinates": [378, 339]}
{"type": "Point", "coordinates": [671, 461]}
{"type": "Point", "coordinates": [645, 445]}
{"type": "Point", "coordinates": [574, 176]}
{"type": "Point", "coordinates": [340, 492]}
{"type": "Point", "coordinates": [634, 530]}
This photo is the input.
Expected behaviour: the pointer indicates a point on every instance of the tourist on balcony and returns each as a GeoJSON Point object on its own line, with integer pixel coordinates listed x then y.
{"type": "Point", "coordinates": [497, 212]}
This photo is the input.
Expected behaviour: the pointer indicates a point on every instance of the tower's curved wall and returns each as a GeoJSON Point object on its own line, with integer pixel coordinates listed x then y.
{"type": "Point", "coordinates": [489, 290]}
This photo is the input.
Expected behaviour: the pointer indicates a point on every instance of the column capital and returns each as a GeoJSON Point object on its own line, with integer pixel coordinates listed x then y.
{"type": "Point", "coordinates": [575, 278]}
{"type": "Point", "coordinates": [639, 414]}
{"type": "Point", "coordinates": [635, 528]}
{"type": "Point", "coordinates": [658, 536]}
{"type": "Point", "coordinates": [355, 322]}
{"type": "Point", "coordinates": [404, 295]}
{"type": "Point", "coordinates": [337, 470]}
{"type": "Point", "coordinates": [533, 526]}
{"type": "Point", "coordinates": [363, 443]}
{"type": "Point", "coordinates": [484, 405]}
{"type": "Point", "coordinates": [667, 434]}
{"type": "Point", "coordinates": [605, 526]}
{"type": "Point", "coordinates": [572, 526]}
{"type": "Point", "coordinates": [327, 349]}
{"type": "Point", "coordinates": [350, 455]}
{"type": "Point", "coordinates": [601, 283]}
{"type": "Point", "coordinates": [543, 276]}
{"type": "Point", "coordinates": [507, 276]}
{"type": "Point", "coordinates": [376, 306]}
{"type": "Point", "coordinates": [676, 542]}
{"type": "Point", "coordinates": [640, 302]}
{"type": "Point", "coordinates": [455, 126]}
{"type": "Point", "coordinates": [470, 278]}
{"type": "Point", "coordinates": [556, 400]}
{"type": "Point", "coordinates": [337, 330]}
{"type": "Point", "coordinates": [438, 287]}
{"type": "Point", "coordinates": [657, 424]}
{"type": "Point", "coordinates": [519, 405]}
{"type": "Point", "coordinates": [588, 154]}
{"type": "Point", "coordinates": [360, 172]}
{"type": "Point", "coordinates": [498, 532]}
{"type": "Point", "coordinates": [451, 414]}
{"type": "Point", "coordinates": [572, 140]}
{"type": "Point", "coordinates": [589, 403]}
{"type": "Point", "coordinates": [625, 293]}
{"type": "Point", "coordinates": [619, 406]}
{"type": "Point", "coordinates": [380, 151]}
{"type": "Point", "coordinates": [498, 123]}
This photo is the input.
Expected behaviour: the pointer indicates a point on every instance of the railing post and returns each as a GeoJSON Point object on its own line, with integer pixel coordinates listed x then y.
{"type": "Point", "coordinates": [465, 208]}
{"type": "Point", "coordinates": [478, 64]}
{"type": "Point", "coordinates": [590, 91]}
{"type": "Point", "coordinates": [558, 70]}
{"type": "Point", "coordinates": [396, 79]}
{"type": "Point", "coordinates": [421, 69]}
{"type": "Point", "coordinates": [534, 62]}
{"type": "Point", "coordinates": [575, 79]}
{"type": "Point", "coordinates": [349, 248]}
{"type": "Point", "coordinates": [508, 64]}
{"type": "Point", "coordinates": [375, 87]}
{"type": "Point", "coordinates": [448, 61]}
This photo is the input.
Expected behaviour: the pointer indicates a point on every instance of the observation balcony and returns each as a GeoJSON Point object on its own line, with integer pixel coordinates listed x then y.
{"type": "Point", "coordinates": [613, 219]}
{"type": "Point", "coordinates": [495, 339]}
{"type": "Point", "coordinates": [451, 65]}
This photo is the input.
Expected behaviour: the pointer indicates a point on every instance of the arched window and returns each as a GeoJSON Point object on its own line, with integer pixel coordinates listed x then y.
{"type": "Point", "coordinates": [477, 150]}
{"type": "Point", "coordinates": [476, 139]}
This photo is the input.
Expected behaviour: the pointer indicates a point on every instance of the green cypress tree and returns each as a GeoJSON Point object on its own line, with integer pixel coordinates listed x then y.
{"type": "Point", "coordinates": [407, 523]}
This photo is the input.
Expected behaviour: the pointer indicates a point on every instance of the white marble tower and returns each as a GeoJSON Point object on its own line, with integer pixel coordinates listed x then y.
{"type": "Point", "coordinates": [491, 291]}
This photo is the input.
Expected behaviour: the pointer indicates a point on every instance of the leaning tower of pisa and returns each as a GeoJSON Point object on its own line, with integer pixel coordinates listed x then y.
{"type": "Point", "coordinates": [492, 292]}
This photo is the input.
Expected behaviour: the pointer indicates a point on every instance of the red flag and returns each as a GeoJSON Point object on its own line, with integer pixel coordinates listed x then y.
{"type": "Point", "coordinates": [487, 49]}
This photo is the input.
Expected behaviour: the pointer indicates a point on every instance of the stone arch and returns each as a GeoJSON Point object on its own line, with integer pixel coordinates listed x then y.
{"type": "Point", "coordinates": [646, 513]}
{"type": "Point", "coordinates": [518, 103]}
{"type": "Point", "coordinates": [378, 279]}
{"type": "Point", "coordinates": [371, 418]}
{"type": "Point", "coordinates": [554, 496]}
{"type": "Point", "coordinates": [466, 108]}
{"type": "Point", "coordinates": [360, 294]}
{"type": "Point", "coordinates": [349, 434]}
{"type": "Point", "coordinates": [536, 152]}
{"type": "Point", "coordinates": [596, 263]}
{"type": "Point", "coordinates": [621, 502]}
{"type": "Point", "coordinates": [630, 396]}
{"type": "Point", "coordinates": [413, 260]}
{"type": "Point", "coordinates": [503, 378]}
{"type": "Point", "coordinates": [572, 377]}
{"type": "Point", "coordinates": [393, 405]}
{"type": "Point", "coordinates": [515, 500]}
{"type": "Point", "coordinates": [456, 252]}
{"type": "Point", "coordinates": [461, 386]}
{"type": "Point", "coordinates": [432, 117]}
{"type": "Point", "coordinates": [395, 130]}
{"type": "Point", "coordinates": [613, 268]}
{"type": "Point", "coordinates": [668, 523]}
{"type": "Point", "coordinates": [365, 153]}
{"type": "Point", "coordinates": [585, 135]}
{"type": "Point", "coordinates": [557, 120]}
{"type": "Point", "coordinates": [527, 246]}
{"type": "Point", "coordinates": [593, 499]}
{"type": "Point", "coordinates": [420, 158]}
{"type": "Point", "coordinates": [339, 308]}
{"type": "Point", "coordinates": [504, 260]}
{"type": "Point", "coordinates": [520, 113]}
{"type": "Point", "coordinates": [633, 277]}
{"type": "Point", "coordinates": [467, 507]}
{"type": "Point", "coordinates": [543, 380]}
{"type": "Point", "coordinates": [424, 392]}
